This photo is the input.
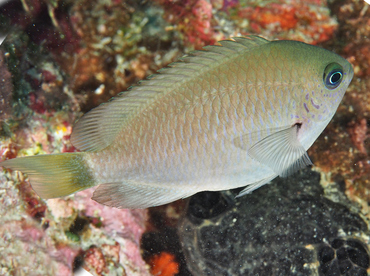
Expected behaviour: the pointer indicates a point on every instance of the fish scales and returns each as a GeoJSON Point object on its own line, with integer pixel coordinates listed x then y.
{"type": "Point", "coordinates": [234, 115]}
{"type": "Point", "coordinates": [195, 147]}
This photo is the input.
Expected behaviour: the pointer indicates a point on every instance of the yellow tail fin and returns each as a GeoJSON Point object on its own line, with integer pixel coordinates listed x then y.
{"type": "Point", "coordinates": [54, 175]}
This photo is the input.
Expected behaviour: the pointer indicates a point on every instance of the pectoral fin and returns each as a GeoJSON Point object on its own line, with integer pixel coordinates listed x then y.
{"type": "Point", "coordinates": [279, 150]}
{"type": "Point", "coordinates": [254, 186]}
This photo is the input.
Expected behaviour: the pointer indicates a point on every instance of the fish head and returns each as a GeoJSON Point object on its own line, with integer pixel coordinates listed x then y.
{"type": "Point", "coordinates": [332, 75]}
{"type": "Point", "coordinates": [329, 77]}
{"type": "Point", "coordinates": [321, 79]}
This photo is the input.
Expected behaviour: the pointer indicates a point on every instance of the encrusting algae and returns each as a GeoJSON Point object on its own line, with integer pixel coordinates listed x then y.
{"type": "Point", "coordinates": [238, 114]}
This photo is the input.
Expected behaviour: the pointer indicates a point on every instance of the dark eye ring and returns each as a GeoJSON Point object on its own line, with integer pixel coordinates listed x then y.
{"type": "Point", "coordinates": [333, 75]}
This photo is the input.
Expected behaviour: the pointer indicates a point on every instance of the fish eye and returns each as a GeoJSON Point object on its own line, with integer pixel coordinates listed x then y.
{"type": "Point", "coordinates": [333, 75]}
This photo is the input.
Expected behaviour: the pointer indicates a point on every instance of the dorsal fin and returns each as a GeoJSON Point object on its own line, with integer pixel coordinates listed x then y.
{"type": "Point", "coordinates": [98, 128]}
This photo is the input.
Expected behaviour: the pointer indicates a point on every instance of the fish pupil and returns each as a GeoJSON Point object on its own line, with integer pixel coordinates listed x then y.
{"type": "Point", "coordinates": [335, 77]}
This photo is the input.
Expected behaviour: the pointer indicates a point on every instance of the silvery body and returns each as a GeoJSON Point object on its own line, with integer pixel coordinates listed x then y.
{"type": "Point", "coordinates": [229, 116]}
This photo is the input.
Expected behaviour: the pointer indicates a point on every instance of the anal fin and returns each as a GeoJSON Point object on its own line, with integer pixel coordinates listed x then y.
{"type": "Point", "coordinates": [133, 195]}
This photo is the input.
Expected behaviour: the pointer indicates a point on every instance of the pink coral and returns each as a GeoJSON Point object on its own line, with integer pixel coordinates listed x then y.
{"type": "Point", "coordinates": [95, 261]}
{"type": "Point", "coordinates": [202, 11]}
{"type": "Point", "coordinates": [19, 247]}
{"type": "Point", "coordinates": [8, 150]}
{"type": "Point", "coordinates": [123, 225]}
{"type": "Point", "coordinates": [193, 18]}
{"type": "Point", "coordinates": [43, 227]}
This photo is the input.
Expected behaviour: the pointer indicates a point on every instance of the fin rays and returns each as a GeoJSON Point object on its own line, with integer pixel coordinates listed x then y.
{"type": "Point", "coordinates": [136, 195]}
{"type": "Point", "coordinates": [279, 149]}
{"type": "Point", "coordinates": [54, 175]}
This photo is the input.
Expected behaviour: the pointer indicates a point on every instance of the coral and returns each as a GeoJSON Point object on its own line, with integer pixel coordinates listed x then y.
{"type": "Point", "coordinates": [45, 56]}
{"type": "Point", "coordinates": [202, 22]}
{"type": "Point", "coordinates": [117, 225]}
{"type": "Point", "coordinates": [193, 18]}
{"type": "Point", "coordinates": [164, 264]}
{"type": "Point", "coordinates": [343, 148]}
{"type": "Point", "coordinates": [110, 58]}
{"type": "Point", "coordinates": [358, 134]}
{"type": "Point", "coordinates": [95, 261]}
{"type": "Point", "coordinates": [65, 57]}
{"type": "Point", "coordinates": [6, 89]}
{"type": "Point", "coordinates": [38, 83]}
{"type": "Point", "coordinates": [60, 229]}
{"type": "Point", "coordinates": [162, 246]}
{"type": "Point", "coordinates": [28, 244]}
{"type": "Point", "coordinates": [310, 20]}
{"type": "Point", "coordinates": [8, 150]}
{"type": "Point", "coordinates": [354, 30]}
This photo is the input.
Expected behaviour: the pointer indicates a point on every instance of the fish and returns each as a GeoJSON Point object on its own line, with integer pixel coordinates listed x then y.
{"type": "Point", "coordinates": [232, 115]}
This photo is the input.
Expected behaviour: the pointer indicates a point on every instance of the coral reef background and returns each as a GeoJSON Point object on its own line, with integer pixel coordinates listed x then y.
{"type": "Point", "coordinates": [62, 57]}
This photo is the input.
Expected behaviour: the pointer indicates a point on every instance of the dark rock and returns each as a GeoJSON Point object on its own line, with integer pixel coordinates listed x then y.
{"type": "Point", "coordinates": [285, 228]}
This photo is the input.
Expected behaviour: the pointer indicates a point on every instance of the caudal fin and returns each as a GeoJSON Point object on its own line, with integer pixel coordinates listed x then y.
{"type": "Point", "coordinates": [54, 175]}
